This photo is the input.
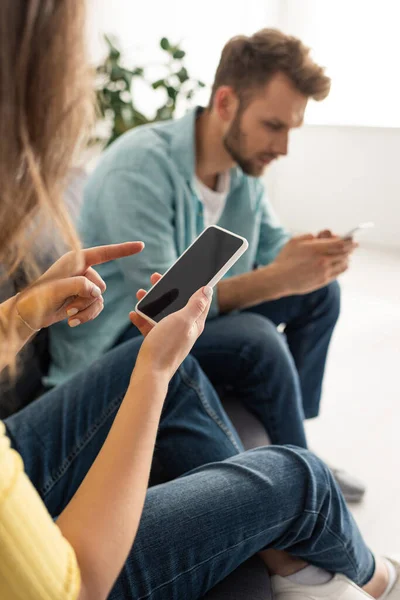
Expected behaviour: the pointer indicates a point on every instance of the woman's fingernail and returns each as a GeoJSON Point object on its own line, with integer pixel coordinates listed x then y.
{"type": "Point", "coordinates": [74, 323]}
{"type": "Point", "coordinates": [208, 291]}
{"type": "Point", "coordinates": [72, 311]}
{"type": "Point", "coordinates": [96, 291]}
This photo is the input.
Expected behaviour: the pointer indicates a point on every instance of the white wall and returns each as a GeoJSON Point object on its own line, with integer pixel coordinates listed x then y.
{"type": "Point", "coordinates": [337, 177]}
{"type": "Point", "coordinates": [358, 42]}
{"type": "Point", "coordinates": [202, 29]}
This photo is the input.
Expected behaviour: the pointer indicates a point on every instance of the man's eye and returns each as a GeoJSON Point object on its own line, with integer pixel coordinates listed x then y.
{"type": "Point", "coordinates": [273, 126]}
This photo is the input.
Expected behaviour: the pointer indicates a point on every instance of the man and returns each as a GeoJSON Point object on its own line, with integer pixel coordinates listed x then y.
{"type": "Point", "coordinates": [164, 183]}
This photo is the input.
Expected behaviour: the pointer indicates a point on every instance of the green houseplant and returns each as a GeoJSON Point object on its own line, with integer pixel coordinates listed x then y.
{"type": "Point", "coordinates": [115, 82]}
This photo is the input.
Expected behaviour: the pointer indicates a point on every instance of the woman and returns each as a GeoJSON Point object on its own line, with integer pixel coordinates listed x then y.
{"type": "Point", "coordinates": [182, 537]}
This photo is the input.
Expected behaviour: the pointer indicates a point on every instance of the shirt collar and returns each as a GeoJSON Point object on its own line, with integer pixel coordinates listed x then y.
{"type": "Point", "coordinates": [183, 149]}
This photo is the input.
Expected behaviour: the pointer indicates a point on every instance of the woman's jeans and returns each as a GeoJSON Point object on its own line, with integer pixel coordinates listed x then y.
{"type": "Point", "coordinates": [196, 529]}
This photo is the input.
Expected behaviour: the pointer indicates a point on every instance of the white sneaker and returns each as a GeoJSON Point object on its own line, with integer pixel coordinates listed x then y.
{"type": "Point", "coordinates": [394, 593]}
{"type": "Point", "coordinates": [338, 588]}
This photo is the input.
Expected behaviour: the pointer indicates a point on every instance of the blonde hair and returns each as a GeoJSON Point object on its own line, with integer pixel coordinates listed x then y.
{"type": "Point", "coordinates": [46, 106]}
{"type": "Point", "coordinates": [248, 63]}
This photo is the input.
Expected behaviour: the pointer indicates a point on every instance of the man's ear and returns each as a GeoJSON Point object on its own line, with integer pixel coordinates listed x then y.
{"type": "Point", "coordinates": [226, 103]}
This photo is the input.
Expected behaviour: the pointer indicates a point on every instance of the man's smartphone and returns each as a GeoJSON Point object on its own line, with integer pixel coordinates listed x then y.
{"type": "Point", "coordinates": [361, 227]}
{"type": "Point", "coordinates": [205, 262]}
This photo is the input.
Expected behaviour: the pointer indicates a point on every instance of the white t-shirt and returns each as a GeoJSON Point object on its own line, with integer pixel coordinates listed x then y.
{"type": "Point", "coordinates": [214, 200]}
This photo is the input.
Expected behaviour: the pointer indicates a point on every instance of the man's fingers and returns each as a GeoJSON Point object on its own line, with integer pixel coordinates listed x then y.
{"type": "Point", "coordinates": [333, 247]}
{"type": "Point", "coordinates": [325, 234]}
{"type": "Point", "coordinates": [339, 268]}
{"type": "Point", "coordinates": [102, 254]}
{"type": "Point", "coordinates": [354, 246]}
{"type": "Point", "coordinates": [306, 237]}
{"type": "Point", "coordinates": [140, 294]}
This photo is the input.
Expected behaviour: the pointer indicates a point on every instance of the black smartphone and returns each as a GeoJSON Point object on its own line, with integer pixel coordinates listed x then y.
{"type": "Point", "coordinates": [205, 262]}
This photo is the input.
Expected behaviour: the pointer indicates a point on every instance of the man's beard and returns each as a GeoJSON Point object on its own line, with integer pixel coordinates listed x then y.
{"type": "Point", "coordinates": [234, 142]}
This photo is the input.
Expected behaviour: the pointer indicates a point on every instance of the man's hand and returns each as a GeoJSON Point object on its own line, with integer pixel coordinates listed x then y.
{"type": "Point", "coordinates": [308, 263]}
{"type": "Point", "coordinates": [325, 234]}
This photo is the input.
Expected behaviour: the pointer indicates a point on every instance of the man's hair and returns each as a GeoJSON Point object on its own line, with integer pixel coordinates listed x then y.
{"type": "Point", "coordinates": [248, 63]}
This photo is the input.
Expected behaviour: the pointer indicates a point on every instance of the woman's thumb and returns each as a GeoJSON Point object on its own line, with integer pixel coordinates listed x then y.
{"type": "Point", "coordinates": [199, 303]}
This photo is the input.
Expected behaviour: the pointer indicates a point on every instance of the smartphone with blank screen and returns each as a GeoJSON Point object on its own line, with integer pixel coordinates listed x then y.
{"type": "Point", "coordinates": [361, 227]}
{"type": "Point", "coordinates": [205, 262]}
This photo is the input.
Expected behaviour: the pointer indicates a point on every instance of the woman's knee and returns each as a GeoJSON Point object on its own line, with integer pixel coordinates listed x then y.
{"type": "Point", "coordinates": [297, 474]}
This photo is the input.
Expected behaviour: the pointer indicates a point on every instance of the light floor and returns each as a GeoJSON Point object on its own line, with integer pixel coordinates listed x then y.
{"type": "Point", "coordinates": [359, 427]}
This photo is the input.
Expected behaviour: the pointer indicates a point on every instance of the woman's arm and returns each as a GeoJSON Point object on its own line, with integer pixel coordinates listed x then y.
{"type": "Point", "coordinates": [102, 519]}
{"type": "Point", "coordinates": [23, 333]}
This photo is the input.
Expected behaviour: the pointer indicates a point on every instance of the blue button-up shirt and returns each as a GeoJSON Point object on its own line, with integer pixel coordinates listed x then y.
{"type": "Point", "coordinates": [144, 189]}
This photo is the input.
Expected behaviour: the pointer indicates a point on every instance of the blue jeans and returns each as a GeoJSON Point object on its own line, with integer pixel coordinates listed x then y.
{"type": "Point", "coordinates": [277, 376]}
{"type": "Point", "coordinates": [309, 323]}
{"type": "Point", "coordinates": [60, 434]}
{"type": "Point", "coordinates": [196, 529]}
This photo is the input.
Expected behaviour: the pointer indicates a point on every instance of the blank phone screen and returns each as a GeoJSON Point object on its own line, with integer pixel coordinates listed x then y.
{"type": "Point", "coordinates": [193, 270]}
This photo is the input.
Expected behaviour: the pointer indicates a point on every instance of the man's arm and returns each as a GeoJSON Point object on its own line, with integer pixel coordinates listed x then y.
{"type": "Point", "coordinates": [285, 266]}
{"type": "Point", "coordinates": [249, 289]}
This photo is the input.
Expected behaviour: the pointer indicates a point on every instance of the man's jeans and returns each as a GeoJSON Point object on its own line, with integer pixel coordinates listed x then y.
{"type": "Point", "coordinates": [277, 376]}
{"type": "Point", "coordinates": [196, 529]}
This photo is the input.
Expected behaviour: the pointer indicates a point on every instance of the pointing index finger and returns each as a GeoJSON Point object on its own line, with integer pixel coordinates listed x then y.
{"type": "Point", "coordinates": [102, 254]}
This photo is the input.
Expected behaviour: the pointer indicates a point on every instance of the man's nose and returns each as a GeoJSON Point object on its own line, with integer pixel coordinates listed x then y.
{"type": "Point", "coordinates": [281, 145]}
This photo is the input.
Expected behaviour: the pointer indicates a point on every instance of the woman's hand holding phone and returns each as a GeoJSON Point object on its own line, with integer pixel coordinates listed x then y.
{"type": "Point", "coordinates": [167, 344]}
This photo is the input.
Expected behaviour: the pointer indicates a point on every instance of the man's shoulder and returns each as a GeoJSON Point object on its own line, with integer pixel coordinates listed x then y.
{"type": "Point", "coordinates": [138, 161]}
{"type": "Point", "coordinates": [137, 147]}
{"type": "Point", "coordinates": [142, 153]}
{"type": "Point", "coordinates": [162, 147]}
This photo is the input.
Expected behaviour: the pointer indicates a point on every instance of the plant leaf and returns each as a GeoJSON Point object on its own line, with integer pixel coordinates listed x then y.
{"type": "Point", "coordinates": [178, 54]}
{"type": "Point", "coordinates": [172, 92]}
{"type": "Point", "coordinates": [164, 43]}
{"type": "Point", "coordinates": [158, 83]}
{"type": "Point", "coordinates": [182, 75]}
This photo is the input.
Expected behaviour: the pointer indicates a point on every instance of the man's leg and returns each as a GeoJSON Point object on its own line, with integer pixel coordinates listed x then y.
{"type": "Point", "coordinates": [310, 320]}
{"type": "Point", "coordinates": [245, 354]}
{"type": "Point", "coordinates": [197, 529]}
{"type": "Point", "coordinates": [60, 434]}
